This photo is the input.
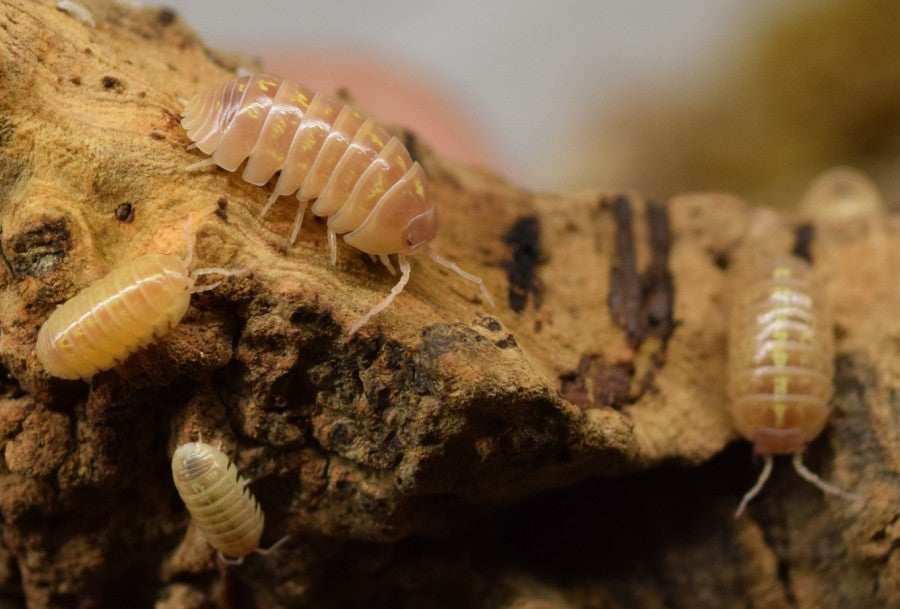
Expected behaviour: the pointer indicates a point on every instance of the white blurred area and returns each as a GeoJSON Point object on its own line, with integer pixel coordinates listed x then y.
{"type": "Point", "coordinates": [526, 76]}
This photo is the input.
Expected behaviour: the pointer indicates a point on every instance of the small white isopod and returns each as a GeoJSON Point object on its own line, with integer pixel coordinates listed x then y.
{"type": "Point", "coordinates": [217, 497]}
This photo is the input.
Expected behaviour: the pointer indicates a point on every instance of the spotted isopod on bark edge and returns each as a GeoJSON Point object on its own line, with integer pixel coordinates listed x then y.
{"type": "Point", "coordinates": [119, 313]}
{"type": "Point", "coordinates": [780, 367]}
{"type": "Point", "coordinates": [217, 497]}
{"type": "Point", "coordinates": [361, 178]}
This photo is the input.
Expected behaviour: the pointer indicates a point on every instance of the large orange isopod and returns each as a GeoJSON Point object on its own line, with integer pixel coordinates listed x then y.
{"type": "Point", "coordinates": [361, 178]}
{"type": "Point", "coordinates": [780, 366]}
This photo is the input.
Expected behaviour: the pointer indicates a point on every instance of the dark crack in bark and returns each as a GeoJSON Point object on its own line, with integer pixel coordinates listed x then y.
{"type": "Point", "coordinates": [625, 303]}
{"type": "Point", "coordinates": [803, 239]}
{"type": "Point", "coordinates": [524, 240]}
{"type": "Point", "coordinates": [641, 303]}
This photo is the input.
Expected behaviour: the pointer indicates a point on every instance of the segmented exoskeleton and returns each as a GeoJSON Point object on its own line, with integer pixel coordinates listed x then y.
{"type": "Point", "coordinates": [780, 366]}
{"type": "Point", "coordinates": [361, 178]}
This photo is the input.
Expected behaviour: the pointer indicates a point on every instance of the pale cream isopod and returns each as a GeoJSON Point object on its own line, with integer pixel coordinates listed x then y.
{"type": "Point", "coordinates": [119, 313]}
{"type": "Point", "coordinates": [217, 497]}
{"type": "Point", "coordinates": [780, 366]}
{"type": "Point", "coordinates": [361, 178]}
{"type": "Point", "coordinates": [77, 10]}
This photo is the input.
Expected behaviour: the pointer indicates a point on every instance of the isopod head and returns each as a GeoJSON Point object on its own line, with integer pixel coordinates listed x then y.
{"type": "Point", "coordinates": [404, 220]}
{"type": "Point", "coordinates": [420, 230]}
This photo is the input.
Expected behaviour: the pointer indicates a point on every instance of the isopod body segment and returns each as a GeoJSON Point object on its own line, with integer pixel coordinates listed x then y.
{"type": "Point", "coordinates": [223, 508]}
{"type": "Point", "coordinates": [361, 178]}
{"type": "Point", "coordinates": [119, 313]}
{"type": "Point", "coordinates": [780, 365]}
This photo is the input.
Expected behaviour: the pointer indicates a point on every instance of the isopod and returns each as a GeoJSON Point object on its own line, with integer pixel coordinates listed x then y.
{"type": "Point", "coordinates": [780, 367]}
{"type": "Point", "coordinates": [117, 314]}
{"type": "Point", "coordinates": [362, 179]}
{"type": "Point", "coordinates": [217, 497]}
{"type": "Point", "coordinates": [77, 10]}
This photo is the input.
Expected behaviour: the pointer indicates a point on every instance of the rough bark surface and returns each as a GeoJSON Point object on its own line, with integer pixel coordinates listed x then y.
{"type": "Point", "coordinates": [566, 449]}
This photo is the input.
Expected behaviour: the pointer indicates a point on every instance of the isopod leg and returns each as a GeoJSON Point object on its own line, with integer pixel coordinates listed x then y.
{"type": "Point", "coordinates": [213, 271]}
{"type": "Point", "coordinates": [200, 165]}
{"type": "Point", "coordinates": [189, 241]}
{"type": "Point", "coordinates": [230, 561]}
{"type": "Point", "coordinates": [386, 261]}
{"type": "Point", "coordinates": [760, 482]}
{"type": "Point", "coordinates": [298, 219]}
{"type": "Point", "coordinates": [260, 551]}
{"type": "Point", "coordinates": [473, 278]}
{"type": "Point", "coordinates": [269, 203]}
{"type": "Point", "coordinates": [273, 547]}
{"type": "Point", "coordinates": [332, 246]}
{"type": "Point", "coordinates": [828, 489]}
{"type": "Point", "coordinates": [381, 306]}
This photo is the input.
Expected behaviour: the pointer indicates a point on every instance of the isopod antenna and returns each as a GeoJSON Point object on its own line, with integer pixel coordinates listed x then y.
{"type": "Point", "coordinates": [760, 483]}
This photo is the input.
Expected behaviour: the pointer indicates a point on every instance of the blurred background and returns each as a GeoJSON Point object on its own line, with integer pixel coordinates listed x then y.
{"type": "Point", "coordinates": [663, 97]}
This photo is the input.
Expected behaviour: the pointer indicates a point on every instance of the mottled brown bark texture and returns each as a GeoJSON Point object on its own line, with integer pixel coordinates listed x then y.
{"type": "Point", "coordinates": [569, 448]}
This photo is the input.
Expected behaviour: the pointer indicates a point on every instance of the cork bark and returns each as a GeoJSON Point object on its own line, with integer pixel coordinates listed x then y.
{"type": "Point", "coordinates": [570, 448]}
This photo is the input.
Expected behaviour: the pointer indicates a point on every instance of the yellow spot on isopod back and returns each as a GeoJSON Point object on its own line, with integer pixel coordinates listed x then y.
{"type": "Point", "coordinates": [400, 162]}
{"type": "Point", "coordinates": [780, 358]}
{"type": "Point", "coordinates": [420, 188]}
{"type": "Point", "coordinates": [265, 85]}
{"type": "Point", "coordinates": [780, 385]}
{"type": "Point", "coordinates": [377, 188]}
{"type": "Point", "coordinates": [781, 272]}
{"type": "Point", "coordinates": [779, 408]}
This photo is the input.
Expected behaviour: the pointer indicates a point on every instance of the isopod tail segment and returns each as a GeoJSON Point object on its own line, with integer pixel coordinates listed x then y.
{"type": "Point", "coordinates": [261, 551]}
{"type": "Point", "coordinates": [804, 472]}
